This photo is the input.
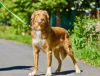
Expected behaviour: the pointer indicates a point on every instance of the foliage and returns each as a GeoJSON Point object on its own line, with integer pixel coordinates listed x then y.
{"type": "Point", "coordinates": [4, 15]}
{"type": "Point", "coordinates": [84, 32]}
{"type": "Point", "coordinates": [86, 3]}
{"type": "Point", "coordinates": [6, 33]}
{"type": "Point", "coordinates": [51, 5]}
{"type": "Point", "coordinates": [24, 9]}
{"type": "Point", "coordinates": [90, 54]}
{"type": "Point", "coordinates": [21, 10]}
{"type": "Point", "coordinates": [85, 40]}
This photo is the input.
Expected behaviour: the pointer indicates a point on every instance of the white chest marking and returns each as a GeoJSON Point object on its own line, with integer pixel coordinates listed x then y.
{"type": "Point", "coordinates": [39, 41]}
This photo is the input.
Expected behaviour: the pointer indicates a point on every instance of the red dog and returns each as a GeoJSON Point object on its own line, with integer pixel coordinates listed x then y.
{"type": "Point", "coordinates": [49, 39]}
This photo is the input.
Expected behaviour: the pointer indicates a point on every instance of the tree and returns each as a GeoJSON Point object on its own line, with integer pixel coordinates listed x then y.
{"type": "Point", "coordinates": [93, 4]}
{"type": "Point", "coordinates": [4, 14]}
{"type": "Point", "coordinates": [52, 6]}
{"type": "Point", "coordinates": [86, 3]}
{"type": "Point", "coordinates": [24, 9]}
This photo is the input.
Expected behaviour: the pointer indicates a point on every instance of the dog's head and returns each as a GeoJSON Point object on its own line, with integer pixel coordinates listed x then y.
{"type": "Point", "coordinates": [39, 18]}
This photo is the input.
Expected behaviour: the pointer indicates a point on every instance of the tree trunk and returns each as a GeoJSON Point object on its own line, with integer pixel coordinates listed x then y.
{"type": "Point", "coordinates": [98, 14]}
{"type": "Point", "coordinates": [58, 19]}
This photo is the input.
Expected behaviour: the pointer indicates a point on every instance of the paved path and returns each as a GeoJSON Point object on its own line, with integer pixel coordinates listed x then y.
{"type": "Point", "coordinates": [16, 60]}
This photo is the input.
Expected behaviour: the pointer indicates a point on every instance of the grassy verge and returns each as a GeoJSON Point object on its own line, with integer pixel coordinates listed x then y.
{"type": "Point", "coordinates": [90, 54]}
{"type": "Point", "coordinates": [7, 32]}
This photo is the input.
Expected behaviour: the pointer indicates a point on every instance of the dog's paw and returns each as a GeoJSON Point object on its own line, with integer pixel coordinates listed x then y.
{"type": "Point", "coordinates": [31, 74]}
{"type": "Point", "coordinates": [58, 70]}
{"type": "Point", "coordinates": [48, 74]}
{"type": "Point", "coordinates": [78, 71]}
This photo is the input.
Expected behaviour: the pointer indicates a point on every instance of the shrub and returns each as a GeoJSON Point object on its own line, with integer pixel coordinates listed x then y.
{"type": "Point", "coordinates": [21, 9]}
{"type": "Point", "coordinates": [84, 32]}
{"type": "Point", "coordinates": [85, 40]}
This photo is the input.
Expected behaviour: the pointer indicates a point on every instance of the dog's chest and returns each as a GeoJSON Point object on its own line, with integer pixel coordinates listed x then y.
{"type": "Point", "coordinates": [38, 40]}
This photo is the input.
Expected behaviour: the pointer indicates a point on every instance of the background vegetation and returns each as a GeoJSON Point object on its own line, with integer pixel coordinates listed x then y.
{"type": "Point", "coordinates": [85, 40]}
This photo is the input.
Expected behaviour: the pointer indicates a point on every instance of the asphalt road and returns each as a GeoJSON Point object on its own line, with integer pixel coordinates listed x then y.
{"type": "Point", "coordinates": [16, 60]}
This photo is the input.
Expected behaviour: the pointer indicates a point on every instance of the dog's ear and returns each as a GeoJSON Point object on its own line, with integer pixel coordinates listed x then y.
{"type": "Point", "coordinates": [33, 15]}
{"type": "Point", "coordinates": [47, 15]}
{"type": "Point", "coordinates": [32, 18]}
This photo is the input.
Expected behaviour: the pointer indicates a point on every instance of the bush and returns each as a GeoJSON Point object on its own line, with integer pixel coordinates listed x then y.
{"type": "Point", "coordinates": [4, 14]}
{"type": "Point", "coordinates": [21, 9]}
{"type": "Point", "coordinates": [8, 32]}
{"type": "Point", "coordinates": [84, 32]}
{"type": "Point", "coordinates": [85, 40]}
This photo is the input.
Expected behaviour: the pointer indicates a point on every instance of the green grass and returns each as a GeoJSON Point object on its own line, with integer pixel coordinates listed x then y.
{"type": "Point", "coordinates": [90, 54]}
{"type": "Point", "coordinates": [7, 32]}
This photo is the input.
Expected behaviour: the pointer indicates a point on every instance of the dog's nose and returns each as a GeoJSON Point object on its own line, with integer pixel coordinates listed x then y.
{"type": "Point", "coordinates": [42, 19]}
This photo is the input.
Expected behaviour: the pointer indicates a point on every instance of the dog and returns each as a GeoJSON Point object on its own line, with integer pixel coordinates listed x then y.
{"type": "Point", "coordinates": [49, 39]}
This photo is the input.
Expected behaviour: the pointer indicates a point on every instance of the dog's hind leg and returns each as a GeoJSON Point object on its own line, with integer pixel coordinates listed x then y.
{"type": "Point", "coordinates": [68, 48]}
{"type": "Point", "coordinates": [57, 56]}
{"type": "Point", "coordinates": [70, 53]}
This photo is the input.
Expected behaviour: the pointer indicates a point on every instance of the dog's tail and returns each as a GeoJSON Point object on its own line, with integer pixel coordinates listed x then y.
{"type": "Point", "coordinates": [63, 53]}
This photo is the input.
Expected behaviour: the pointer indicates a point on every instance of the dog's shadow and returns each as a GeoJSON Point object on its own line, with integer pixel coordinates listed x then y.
{"type": "Point", "coordinates": [61, 73]}
{"type": "Point", "coordinates": [16, 68]}
{"type": "Point", "coordinates": [65, 72]}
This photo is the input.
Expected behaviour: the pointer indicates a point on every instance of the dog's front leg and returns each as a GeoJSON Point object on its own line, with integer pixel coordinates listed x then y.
{"type": "Point", "coordinates": [35, 57]}
{"type": "Point", "coordinates": [49, 58]}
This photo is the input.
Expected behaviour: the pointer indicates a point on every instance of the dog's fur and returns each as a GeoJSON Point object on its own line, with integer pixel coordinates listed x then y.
{"type": "Point", "coordinates": [49, 39]}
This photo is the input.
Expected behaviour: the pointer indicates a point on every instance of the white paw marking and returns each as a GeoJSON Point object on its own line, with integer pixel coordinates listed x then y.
{"type": "Point", "coordinates": [78, 71]}
{"type": "Point", "coordinates": [48, 75]}
{"type": "Point", "coordinates": [48, 71]}
{"type": "Point", "coordinates": [32, 74]}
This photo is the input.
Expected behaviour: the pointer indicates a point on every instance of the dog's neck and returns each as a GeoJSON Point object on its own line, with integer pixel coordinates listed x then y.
{"type": "Point", "coordinates": [43, 26]}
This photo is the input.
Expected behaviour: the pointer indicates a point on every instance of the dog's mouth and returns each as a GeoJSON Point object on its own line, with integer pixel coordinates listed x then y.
{"type": "Point", "coordinates": [42, 20]}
